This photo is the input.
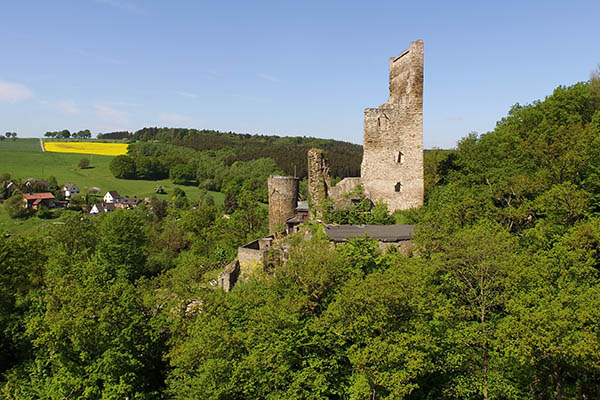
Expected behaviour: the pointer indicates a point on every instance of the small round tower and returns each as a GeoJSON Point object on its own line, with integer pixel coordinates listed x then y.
{"type": "Point", "coordinates": [283, 199]}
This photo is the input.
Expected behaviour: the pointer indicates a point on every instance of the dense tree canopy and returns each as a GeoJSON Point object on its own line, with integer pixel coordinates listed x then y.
{"type": "Point", "coordinates": [498, 297]}
{"type": "Point", "coordinates": [289, 153]}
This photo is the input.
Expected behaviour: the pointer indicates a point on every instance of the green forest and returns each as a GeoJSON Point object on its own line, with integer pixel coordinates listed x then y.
{"type": "Point", "coordinates": [499, 297]}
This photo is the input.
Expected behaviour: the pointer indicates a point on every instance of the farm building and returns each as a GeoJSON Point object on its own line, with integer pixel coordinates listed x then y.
{"type": "Point", "coordinates": [34, 200]}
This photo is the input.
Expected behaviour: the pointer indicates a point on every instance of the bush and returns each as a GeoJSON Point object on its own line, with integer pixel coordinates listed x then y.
{"type": "Point", "coordinates": [44, 212]}
{"type": "Point", "coordinates": [123, 167]}
{"type": "Point", "coordinates": [14, 205]}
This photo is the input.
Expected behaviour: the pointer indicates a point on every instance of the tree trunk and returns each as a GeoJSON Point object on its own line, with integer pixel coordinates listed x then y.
{"type": "Point", "coordinates": [484, 345]}
{"type": "Point", "coordinates": [557, 380]}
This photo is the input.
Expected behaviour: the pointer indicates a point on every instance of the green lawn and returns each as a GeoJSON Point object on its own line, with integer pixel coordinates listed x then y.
{"type": "Point", "coordinates": [23, 159]}
{"type": "Point", "coordinates": [17, 225]}
{"type": "Point", "coordinates": [32, 145]}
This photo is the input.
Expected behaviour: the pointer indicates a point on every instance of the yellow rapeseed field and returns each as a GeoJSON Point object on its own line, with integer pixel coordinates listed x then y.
{"type": "Point", "coordinates": [105, 149]}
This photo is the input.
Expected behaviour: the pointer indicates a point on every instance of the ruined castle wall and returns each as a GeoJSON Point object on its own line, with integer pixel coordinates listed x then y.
{"type": "Point", "coordinates": [283, 199]}
{"type": "Point", "coordinates": [340, 191]}
{"type": "Point", "coordinates": [250, 260]}
{"type": "Point", "coordinates": [319, 177]}
{"type": "Point", "coordinates": [392, 167]}
{"type": "Point", "coordinates": [228, 277]}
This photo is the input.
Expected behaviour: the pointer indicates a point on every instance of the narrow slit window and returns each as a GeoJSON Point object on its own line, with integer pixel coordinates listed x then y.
{"type": "Point", "coordinates": [398, 187]}
{"type": "Point", "coordinates": [400, 158]}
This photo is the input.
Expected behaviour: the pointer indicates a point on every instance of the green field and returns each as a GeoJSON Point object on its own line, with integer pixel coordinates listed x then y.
{"type": "Point", "coordinates": [24, 159]}
{"type": "Point", "coordinates": [30, 145]}
{"type": "Point", "coordinates": [15, 225]}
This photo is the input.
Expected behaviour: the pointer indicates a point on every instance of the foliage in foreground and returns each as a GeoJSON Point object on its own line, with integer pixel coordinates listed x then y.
{"type": "Point", "coordinates": [499, 298]}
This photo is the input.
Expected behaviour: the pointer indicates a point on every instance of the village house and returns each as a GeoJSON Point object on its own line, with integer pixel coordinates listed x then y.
{"type": "Point", "coordinates": [69, 189]}
{"type": "Point", "coordinates": [37, 184]}
{"type": "Point", "coordinates": [128, 202]}
{"type": "Point", "coordinates": [112, 196]}
{"type": "Point", "coordinates": [103, 207]}
{"type": "Point", "coordinates": [34, 200]}
{"type": "Point", "coordinates": [113, 200]}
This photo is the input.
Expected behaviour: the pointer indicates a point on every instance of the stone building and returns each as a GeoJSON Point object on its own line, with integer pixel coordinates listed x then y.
{"type": "Point", "coordinates": [283, 199]}
{"type": "Point", "coordinates": [392, 166]}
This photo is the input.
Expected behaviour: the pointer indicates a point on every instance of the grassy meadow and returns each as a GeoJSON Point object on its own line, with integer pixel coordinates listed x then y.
{"type": "Point", "coordinates": [24, 159]}
{"type": "Point", "coordinates": [17, 225]}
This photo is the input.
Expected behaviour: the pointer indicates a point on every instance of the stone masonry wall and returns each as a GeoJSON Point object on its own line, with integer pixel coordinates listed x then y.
{"type": "Point", "coordinates": [283, 199]}
{"type": "Point", "coordinates": [340, 191]}
{"type": "Point", "coordinates": [392, 167]}
{"type": "Point", "coordinates": [250, 260]}
{"type": "Point", "coordinates": [319, 178]}
{"type": "Point", "coordinates": [228, 277]}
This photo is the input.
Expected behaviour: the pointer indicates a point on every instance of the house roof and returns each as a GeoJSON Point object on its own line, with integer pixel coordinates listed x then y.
{"type": "Point", "coordinates": [130, 200]}
{"type": "Point", "coordinates": [383, 233]}
{"type": "Point", "coordinates": [32, 181]}
{"type": "Point", "coordinates": [41, 196]}
{"type": "Point", "coordinates": [69, 186]}
{"type": "Point", "coordinates": [294, 220]}
{"type": "Point", "coordinates": [105, 207]}
{"type": "Point", "coordinates": [114, 194]}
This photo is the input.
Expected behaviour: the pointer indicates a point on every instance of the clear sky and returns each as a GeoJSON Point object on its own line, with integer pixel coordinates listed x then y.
{"type": "Point", "coordinates": [306, 68]}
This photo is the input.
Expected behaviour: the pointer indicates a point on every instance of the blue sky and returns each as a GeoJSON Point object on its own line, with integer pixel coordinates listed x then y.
{"type": "Point", "coordinates": [306, 68]}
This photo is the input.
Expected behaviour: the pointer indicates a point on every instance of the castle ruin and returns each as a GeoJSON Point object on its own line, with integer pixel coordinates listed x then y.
{"type": "Point", "coordinates": [391, 171]}
{"type": "Point", "coordinates": [392, 166]}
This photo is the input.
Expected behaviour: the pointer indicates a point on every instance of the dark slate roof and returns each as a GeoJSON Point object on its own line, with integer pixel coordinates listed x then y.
{"type": "Point", "coordinates": [114, 194]}
{"type": "Point", "coordinates": [383, 233]}
{"type": "Point", "coordinates": [130, 200]}
{"type": "Point", "coordinates": [69, 186]}
{"type": "Point", "coordinates": [32, 181]}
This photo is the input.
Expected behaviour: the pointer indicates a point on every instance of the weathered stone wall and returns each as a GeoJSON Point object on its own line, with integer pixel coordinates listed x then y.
{"type": "Point", "coordinates": [339, 193]}
{"type": "Point", "coordinates": [392, 167]}
{"type": "Point", "coordinates": [250, 260]}
{"type": "Point", "coordinates": [319, 177]}
{"type": "Point", "coordinates": [283, 198]}
{"type": "Point", "coordinates": [228, 277]}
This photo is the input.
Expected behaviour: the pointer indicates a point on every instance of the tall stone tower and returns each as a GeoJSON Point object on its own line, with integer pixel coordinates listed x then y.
{"type": "Point", "coordinates": [283, 199]}
{"type": "Point", "coordinates": [392, 166]}
{"type": "Point", "coordinates": [319, 177]}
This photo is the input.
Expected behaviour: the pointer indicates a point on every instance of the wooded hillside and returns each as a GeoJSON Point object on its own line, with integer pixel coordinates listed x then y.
{"type": "Point", "coordinates": [289, 153]}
